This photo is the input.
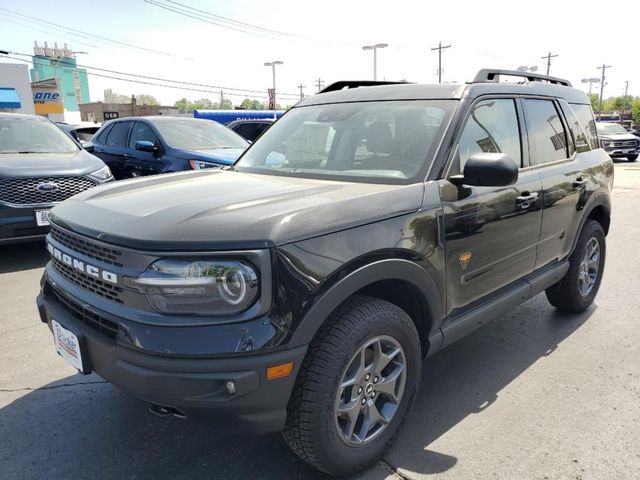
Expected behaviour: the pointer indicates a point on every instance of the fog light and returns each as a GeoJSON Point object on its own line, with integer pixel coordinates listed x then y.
{"type": "Point", "coordinates": [231, 387]}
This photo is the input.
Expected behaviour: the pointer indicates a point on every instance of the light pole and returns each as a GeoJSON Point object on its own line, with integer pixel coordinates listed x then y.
{"type": "Point", "coordinates": [375, 56]}
{"type": "Point", "coordinates": [525, 69]}
{"type": "Point", "coordinates": [591, 81]}
{"type": "Point", "coordinates": [273, 72]}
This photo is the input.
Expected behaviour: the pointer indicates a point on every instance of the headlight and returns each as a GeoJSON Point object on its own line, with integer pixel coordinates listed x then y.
{"type": "Point", "coordinates": [201, 287]}
{"type": "Point", "coordinates": [606, 143]}
{"type": "Point", "coordinates": [102, 174]}
{"type": "Point", "coordinates": [199, 165]}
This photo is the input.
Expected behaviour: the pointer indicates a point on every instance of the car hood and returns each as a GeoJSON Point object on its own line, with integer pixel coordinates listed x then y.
{"type": "Point", "coordinates": [48, 164]}
{"type": "Point", "coordinates": [225, 156]}
{"type": "Point", "coordinates": [618, 137]}
{"type": "Point", "coordinates": [228, 210]}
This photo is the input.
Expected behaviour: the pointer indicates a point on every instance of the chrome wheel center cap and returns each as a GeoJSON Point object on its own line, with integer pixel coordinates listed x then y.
{"type": "Point", "coordinates": [369, 389]}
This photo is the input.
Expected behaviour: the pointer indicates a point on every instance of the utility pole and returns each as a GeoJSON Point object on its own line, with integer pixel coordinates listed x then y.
{"type": "Point", "coordinates": [624, 102]}
{"type": "Point", "coordinates": [221, 99]}
{"type": "Point", "coordinates": [603, 68]}
{"type": "Point", "coordinates": [549, 56]}
{"type": "Point", "coordinates": [301, 92]}
{"type": "Point", "coordinates": [319, 84]}
{"type": "Point", "coordinates": [440, 48]}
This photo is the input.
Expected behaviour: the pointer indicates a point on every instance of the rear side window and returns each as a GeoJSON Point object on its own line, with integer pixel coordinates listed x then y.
{"type": "Point", "coordinates": [117, 136]}
{"type": "Point", "coordinates": [102, 137]}
{"type": "Point", "coordinates": [250, 131]}
{"type": "Point", "coordinates": [585, 116]}
{"type": "Point", "coordinates": [577, 132]}
{"type": "Point", "coordinates": [547, 136]}
{"type": "Point", "coordinates": [492, 127]}
{"type": "Point", "coordinates": [141, 131]}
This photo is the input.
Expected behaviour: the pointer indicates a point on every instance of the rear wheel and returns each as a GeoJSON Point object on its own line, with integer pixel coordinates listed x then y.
{"type": "Point", "coordinates": [632, 158]}
{"type": "Point", "coordinates": [577, 290]}
{"type": "Point", "coordinates": [355, 387]}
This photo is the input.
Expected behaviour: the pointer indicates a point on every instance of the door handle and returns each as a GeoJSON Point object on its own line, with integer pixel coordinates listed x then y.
{"type": "Point", "coordinates": [126, 155]}
{"type": "Point", "coordinates": [579, 182]}
{"type": "Point", "coordinates": [527, 199]}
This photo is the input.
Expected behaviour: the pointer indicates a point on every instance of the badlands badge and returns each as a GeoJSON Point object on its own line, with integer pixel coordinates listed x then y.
{"type": "Point", "coordinates": [465, 258]}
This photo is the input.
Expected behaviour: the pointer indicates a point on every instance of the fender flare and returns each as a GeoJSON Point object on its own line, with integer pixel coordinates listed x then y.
{"type": "Point", "coordinates": [389, 269]}
{"type": "Point", "coordinates": [598, 200]}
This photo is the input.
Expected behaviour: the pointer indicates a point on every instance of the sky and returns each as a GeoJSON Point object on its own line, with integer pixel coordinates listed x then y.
{"type": "Point", "coordinates": [324, 40]}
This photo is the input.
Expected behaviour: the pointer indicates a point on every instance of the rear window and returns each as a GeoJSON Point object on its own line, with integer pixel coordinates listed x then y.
{"type": "Point", "coordinates": [585, 116]}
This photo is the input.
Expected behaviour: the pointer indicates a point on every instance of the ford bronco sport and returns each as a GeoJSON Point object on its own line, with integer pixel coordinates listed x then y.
{"type": "Point", "coordinates": [366, 229]}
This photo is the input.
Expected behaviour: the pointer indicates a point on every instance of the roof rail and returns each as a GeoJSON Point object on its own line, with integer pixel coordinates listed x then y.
{"type": "Point", "coordinates": [342, 84]}
{"type": "Point", "coordinates": [492, 75]}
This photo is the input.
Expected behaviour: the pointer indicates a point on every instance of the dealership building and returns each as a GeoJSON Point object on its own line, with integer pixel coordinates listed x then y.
{"type": "Point", "coordinates": [55, 87]}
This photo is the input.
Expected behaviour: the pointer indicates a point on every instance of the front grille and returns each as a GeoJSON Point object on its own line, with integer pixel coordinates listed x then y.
{"type": "Point", "coordinates": [625, 143]}
{"type": "Point", "coordinates": [89, 318]}
{"type": "Point", "coordinates": [86, 247]}
{"type": "Point", "coordinates": [42, 190]}
{"type": "Point", "coordinates": [94, 285]}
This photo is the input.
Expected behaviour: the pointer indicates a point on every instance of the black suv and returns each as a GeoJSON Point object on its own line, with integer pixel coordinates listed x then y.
{"type": "Point", "coordinates": [366, 229]}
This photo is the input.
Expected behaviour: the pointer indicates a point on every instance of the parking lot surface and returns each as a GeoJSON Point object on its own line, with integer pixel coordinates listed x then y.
{"type": "Point", "coordinates": [534, 394]}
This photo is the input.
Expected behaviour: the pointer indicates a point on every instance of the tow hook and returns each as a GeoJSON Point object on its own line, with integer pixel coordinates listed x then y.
{"type": "Point", "coordinates": [164, 411]}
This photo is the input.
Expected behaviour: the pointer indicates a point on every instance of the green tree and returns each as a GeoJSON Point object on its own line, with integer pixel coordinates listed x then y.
{"type": "Point", "coordinates": [183, 105]}
{"type": "Point", "coordinates": [226, 105]}
{"type": "Point", "coordinates": [594, 101]}
{"type": "Point", "coordinates": [246, 104]}
{"type": "Point", "coordinates": [145, 99]}
{"type": "Point", "coordinates": [635, 110]}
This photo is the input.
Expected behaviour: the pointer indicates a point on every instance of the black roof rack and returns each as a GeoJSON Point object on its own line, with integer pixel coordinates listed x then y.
{"type": "Point", "coordinates": [491, 75]}
{"type": "Point", "coordinates": [342, 84]}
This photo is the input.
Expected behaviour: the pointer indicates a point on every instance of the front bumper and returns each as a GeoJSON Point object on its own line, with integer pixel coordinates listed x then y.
{"type": "Point", "coordinates": [19, 224]}
{"type": "Point", "coordinates": [193, 385]}
{"type": "Point", "coordinates": [621, 152]}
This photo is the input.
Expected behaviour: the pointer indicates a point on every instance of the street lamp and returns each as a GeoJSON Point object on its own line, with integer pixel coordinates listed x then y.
{"type": "Point", "coordinates": [591, 81]}
{"type": "Point", "coordinates": [525, 69]}
{"type": "Point", "coordinates": [273, 72]}
{"type": "Point", "coordinates": [375, 56]}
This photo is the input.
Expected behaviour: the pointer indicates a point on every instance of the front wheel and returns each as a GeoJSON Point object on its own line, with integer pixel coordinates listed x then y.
{"type": "Point", "coordinates": [632, 158]}
{"type": "Point", "coordinates": [578, 288]}
{"type": "Point", "coordinates": [355, 386]}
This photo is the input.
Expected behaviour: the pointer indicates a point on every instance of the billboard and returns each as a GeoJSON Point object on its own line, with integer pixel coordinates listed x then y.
{"type": "Point", "coordinates": [47, 98]}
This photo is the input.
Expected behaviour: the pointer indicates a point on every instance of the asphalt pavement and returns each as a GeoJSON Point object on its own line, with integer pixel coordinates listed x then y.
{"type": "Point", "coordinates": [533, 395]}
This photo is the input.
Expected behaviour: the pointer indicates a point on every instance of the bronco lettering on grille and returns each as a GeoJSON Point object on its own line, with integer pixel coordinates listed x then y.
{"type": "Point", "coordinates": [81, 266]}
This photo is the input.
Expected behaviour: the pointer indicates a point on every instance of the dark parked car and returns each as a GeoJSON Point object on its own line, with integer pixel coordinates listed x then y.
{"type": "Point", "coordinates": [300, 289]}
{"type": "Point", "coordinates": [40, 166]}
{"type": "Point", "coordinates": [80, 133]}
{"type": "Point", "coordinates": [250, 129]}
{"type": "Point", "coordinates": [617, 142]}
{"type": "Point", "coordinates": [138, 146]}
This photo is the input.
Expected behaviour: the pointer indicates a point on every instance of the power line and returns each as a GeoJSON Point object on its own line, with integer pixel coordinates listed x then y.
{"type": "Point", "coordinates": [242, 91]}
{"type": "Point", "coordinates": [176, 87]}
{"type": "Point", "coordinates": [231, 24]}
{"type": "Point", "coordinates": [604, 69]}
{"type": "Point", "coordinates": [48, 32]}
{"type": "Point", "coordinates": [301, 86]}
{"type": "Point", "coordinates": [319, 84]}
{"type": "Point", "coordinates": [81, 33]}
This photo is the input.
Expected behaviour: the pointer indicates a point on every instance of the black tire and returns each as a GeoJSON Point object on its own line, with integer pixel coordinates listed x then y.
{"type": "Point", "coordinates": [312, 430]}
{"type": "Point", "coordinates": [632, 158]}
{"type": "Point", "coordinates": [566, 295]}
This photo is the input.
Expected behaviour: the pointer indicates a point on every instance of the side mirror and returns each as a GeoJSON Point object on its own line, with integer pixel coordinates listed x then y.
{"type": "Point", "coordinates": [488, 170]}
{"type": "Point", "coordinates": [88, 146]}
{"type": "Point", "coordinates": [146, 146]}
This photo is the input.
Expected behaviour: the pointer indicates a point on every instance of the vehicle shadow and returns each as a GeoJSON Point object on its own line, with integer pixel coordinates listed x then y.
{"type": "Point", "coordinates": [82, 427]}
{"type": "Point", "coordinates": [23, 256]}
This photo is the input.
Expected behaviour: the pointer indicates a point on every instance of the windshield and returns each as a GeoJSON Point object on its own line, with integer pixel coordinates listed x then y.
{"type": "Point", "coordinates": [198, 134]}
{"type": "Point", "coordinates": [33, 135]}
{"type": "Point", "coordinates": [610, 129]}
{"type": "Point", "coordinates": [381, 142]}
